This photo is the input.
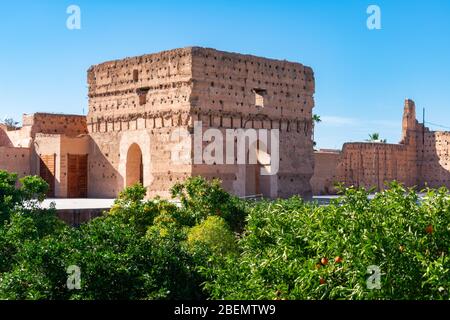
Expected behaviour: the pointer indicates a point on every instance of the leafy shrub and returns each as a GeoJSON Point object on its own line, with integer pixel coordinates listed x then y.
{"type": "Point", "coordinates": [118, 254]}
{"type": "Point", "coordinates": [215, 234]}
{"type": "Point", "coordinates": [201, 198]}
{"type": "Point", "coordinates": [31, 188]}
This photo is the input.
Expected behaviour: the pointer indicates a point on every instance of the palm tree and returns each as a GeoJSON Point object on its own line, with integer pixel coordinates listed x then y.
{"type": "Point", "coordinates": [315, 119]}
{"type": "Point", "coordinates": [375, 137]}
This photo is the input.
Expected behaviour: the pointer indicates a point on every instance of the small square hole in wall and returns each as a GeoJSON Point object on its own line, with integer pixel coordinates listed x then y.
{"type": "Point", "coordinates": [259, 97]}
{"type": "Point", "coordinates": [135, 75]}
{"type": "Point", "coordinates": [142, 99]}
{"type": "Point", "coordinates": [142, 94]}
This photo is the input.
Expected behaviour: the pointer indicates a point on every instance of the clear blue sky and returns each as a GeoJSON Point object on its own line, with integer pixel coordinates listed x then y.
{"type": "Point", "coordinates": [362, 76]}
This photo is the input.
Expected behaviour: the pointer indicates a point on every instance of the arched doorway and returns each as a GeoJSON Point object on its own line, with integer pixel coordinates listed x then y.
{"type": "Point", "coordinates": [135, 168]}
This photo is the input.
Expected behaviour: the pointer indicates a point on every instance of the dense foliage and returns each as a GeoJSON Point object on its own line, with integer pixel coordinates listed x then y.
{"type": "Point", "coordinates": [214, 245]}
{"type": "Point", "coordinates": [293, 250]}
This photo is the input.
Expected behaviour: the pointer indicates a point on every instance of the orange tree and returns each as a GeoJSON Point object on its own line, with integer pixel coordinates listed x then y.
{"type": "Point", "coordinates": [395, 246]}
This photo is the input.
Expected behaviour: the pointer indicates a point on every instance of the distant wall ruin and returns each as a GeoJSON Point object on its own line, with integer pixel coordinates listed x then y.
{"type": "Point", "coordinates": [421, 159]}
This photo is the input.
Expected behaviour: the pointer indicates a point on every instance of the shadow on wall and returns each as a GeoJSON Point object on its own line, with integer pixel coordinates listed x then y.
{"type": "Point", "coordinates": [104, 179]}
{"type": "Point", "coordinates": [325, 170]}
{"type": "Point", "coordinates": [5, 141]}
{"type": "Point", "coordinates": [434, 160]}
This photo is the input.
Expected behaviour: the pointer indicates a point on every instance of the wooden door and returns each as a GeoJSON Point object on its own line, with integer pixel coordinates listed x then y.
{"type": "Point", "coordinates": [77, 184]}
{"type": "Point", "coordinates": [47, 172]}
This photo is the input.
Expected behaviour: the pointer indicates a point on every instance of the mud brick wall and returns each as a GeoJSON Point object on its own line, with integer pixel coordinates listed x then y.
{"type": "Point", "coordinates": [69, 125]}
{"type": "Point", "coordinates": [142, 100]}
{"type": "Point", "coordinates": [372, 165]}
{"type": "Point", "coordinates": [325, 171]}
{"type": "Point", "coordinates": [242, 91]}
{"type": "Point", "coordinates": [139, 101]}
{"type": "Point", "coordinates": [77, 217]}
{"type": "Point", "coordinates": [5, 141]}
{"type": "Point", "coordinates": [16, 160]}
{"type": "Point", "coordinates": [19, 138]}
{"type": "Point", "coordinates": [422, 158]}
{"type": "Point", "coordinates": [434, 159]}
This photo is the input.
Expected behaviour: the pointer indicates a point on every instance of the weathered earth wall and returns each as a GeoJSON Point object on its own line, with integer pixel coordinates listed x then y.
{"type": "Point", "coordinates": [434, 159]}
{"type": "Point", "coordinates": [143, 100]}
{"type": "Point", "coordinates": [16, 160]}
{"type": "Point", "coordinates": [421, 159]}
{"type": "Point", "coordinates": [372, 164]}
{"type": "Point", "coordinates": [242, 91]}
{"type": "Point", "coordinates": [325, 170]}
{"type": "Point", "coordinates": [139, 101]}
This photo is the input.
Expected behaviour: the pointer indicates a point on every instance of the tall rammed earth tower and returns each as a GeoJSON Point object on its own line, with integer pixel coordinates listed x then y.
{"type": "Point", "coordinates": [411, 131]}
{"type": "Point", "coordinates": [409, 119]}
{"type": "Point", "coordinates": [136, 105]}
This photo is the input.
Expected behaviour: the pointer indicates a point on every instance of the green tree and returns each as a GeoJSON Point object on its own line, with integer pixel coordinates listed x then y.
{"type": "Point", "coordinates": [10, 123]}
{"type": "Point", "coordinates": [375, 137]}
{"type": "Point", "coordinates": [293, 250]}
{"type": "Point", "coordinates": [201, 198]}
{"type": "Point", "coordinates": [315, 119]}
{"type": "Point", "coordinates": [31, 191]}
{"type": "Point", "coordinates": [215, 234]}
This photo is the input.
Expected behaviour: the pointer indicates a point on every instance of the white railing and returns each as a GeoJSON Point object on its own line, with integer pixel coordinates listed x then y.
{"type": "Point", "coordinates": [251, 197]}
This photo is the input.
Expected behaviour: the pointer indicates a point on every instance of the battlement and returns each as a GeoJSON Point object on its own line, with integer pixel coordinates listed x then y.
{"type": "Point", "coordinates": [198, 80]}
{"type": "Point", "coordinates": [142, 100]}
{"type": "Point", "coordinates": [55, 123]}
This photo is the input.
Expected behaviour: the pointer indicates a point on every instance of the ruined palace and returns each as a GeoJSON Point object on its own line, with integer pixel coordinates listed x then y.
{"type": "Point", "coordinates": [136, 104]}
{"type": "Point", "coordinates": [422, 158]}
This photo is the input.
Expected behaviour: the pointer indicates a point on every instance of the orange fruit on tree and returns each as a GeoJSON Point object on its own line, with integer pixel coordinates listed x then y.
{"type": "Point", "coordinates": [338, 259]}
{"type": "Point", "coordinates": [324, 261]}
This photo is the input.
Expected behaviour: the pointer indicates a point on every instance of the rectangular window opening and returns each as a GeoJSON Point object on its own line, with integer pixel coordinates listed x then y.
{"type": "Point", "coordinates": [259, 97]}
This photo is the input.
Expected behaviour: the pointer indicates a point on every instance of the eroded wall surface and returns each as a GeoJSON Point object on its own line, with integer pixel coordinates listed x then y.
{"type": "Point", "coordinates": [372, 165]}
{"type": "Point", "coordinates": [434, 159]}
{"type": "Point", "coordinates": [144, 100]}
{"type": "Point", "coordinates": [242, 91]}
{"type": "Point", "coordinates": [422, 158]}
{"type": "Point", "coordinates": [141, 101]}
{"type": "Point", "coordinates": [325, 171]}
{"type": "Point", "coordinates": [15, 160]}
